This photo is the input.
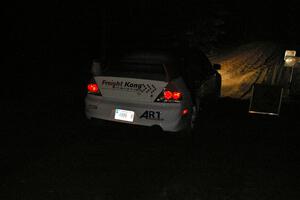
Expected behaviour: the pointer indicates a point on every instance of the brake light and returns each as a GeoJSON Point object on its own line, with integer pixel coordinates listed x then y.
{"type": "Point", "coordinates": [93, 88]}
{"type": "Point", "coordinates": [185, 112]}
{"type": "Point", "coordinates": [177, 95]}
{"type": "Point", "coordinates": [169, 95]}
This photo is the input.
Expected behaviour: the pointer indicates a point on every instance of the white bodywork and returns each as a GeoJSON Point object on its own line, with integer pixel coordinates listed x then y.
{"type": "Point", "coordinates": [138, 96]}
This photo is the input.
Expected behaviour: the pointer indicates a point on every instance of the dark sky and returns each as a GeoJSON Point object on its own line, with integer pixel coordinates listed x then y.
{"type": "Point", "coordinates": [56, 40]}
{"type": "Point", "coordinates": [68, 26]}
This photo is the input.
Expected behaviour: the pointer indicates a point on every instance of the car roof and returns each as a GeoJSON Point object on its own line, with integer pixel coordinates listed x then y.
{"type": "Point", "coordinates": [149, 57]}
{"type": "Point", "coordinates": [154, 56]}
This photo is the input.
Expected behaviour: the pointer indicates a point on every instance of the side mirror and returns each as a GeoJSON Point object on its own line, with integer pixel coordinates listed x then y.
{"type": "Point", "coordinates": [96, 68]}
{"type": "Point", "coordinates": [217, 66]}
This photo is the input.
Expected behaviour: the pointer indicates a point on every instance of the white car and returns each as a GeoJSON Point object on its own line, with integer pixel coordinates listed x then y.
{"type": "Point", "coordinates": [152, 88]}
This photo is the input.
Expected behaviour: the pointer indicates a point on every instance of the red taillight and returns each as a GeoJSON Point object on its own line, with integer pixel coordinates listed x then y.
{"type": "Point", "coordinates": [168, 95]}
{"type": "Point", "coordinates": [177, 95]}
{"type": "Point", "coordinates": [185, 111]}
{"type": "Point", "coordinates": [93, 88]}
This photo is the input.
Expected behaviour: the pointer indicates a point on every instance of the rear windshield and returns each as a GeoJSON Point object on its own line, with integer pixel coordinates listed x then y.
{"type": "Point", "coordinates": [136, 70]}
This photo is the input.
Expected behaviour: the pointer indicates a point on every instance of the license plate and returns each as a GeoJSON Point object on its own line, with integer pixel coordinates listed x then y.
{"type": "Point", "coordinates": [124, 115]}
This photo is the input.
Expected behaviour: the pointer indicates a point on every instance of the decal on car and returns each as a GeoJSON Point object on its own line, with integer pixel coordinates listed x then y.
{"type": "Point", "coordinates": [121, 84]}
{"type": "Point", "coordinates": [151, 115]}
{"type": "Point", "coordinates": [128, 85]}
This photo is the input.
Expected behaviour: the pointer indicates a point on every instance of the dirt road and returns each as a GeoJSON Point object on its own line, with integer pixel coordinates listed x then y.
{"type": "Point", "coordinates": [257, 62]}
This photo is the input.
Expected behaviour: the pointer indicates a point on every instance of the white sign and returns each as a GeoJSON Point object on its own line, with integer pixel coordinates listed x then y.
{"type": "Point", "coordinates": [289, 53]}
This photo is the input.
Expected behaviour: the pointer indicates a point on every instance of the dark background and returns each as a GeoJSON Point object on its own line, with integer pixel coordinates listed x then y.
{"type": "Point", "coordinates": [49, 45]}
{"type": "Point", "coordinates": [60, 30]}
{"type": "Point", "coordinates": [46, 143]}
{"type": "Point", "coordinates": [71, 33]}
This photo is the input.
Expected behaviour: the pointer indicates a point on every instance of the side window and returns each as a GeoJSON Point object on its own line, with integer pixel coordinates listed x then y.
{"type": "Point", "coordinates": [202, 62]}
{"type": "Point", "coordinates": [183, 68]}
{"type": "Point", "coordinates": [173, 69]}
{"type": "Point", "coordinates": [197, 67]}
{"type": "Point", "coordinates": [189, 71]}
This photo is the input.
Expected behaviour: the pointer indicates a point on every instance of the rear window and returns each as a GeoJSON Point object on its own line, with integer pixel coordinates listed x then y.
{"type": "Point", "coordinates": [144, 64]}
{"type": "Point", "coordinates": [136, 70]}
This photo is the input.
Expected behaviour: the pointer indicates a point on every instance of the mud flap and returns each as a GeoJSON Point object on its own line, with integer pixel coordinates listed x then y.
{"type": "Point", "coordinates": [266, 99]}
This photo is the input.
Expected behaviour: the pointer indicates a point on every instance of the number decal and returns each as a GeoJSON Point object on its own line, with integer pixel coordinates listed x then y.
{"type": "Point", "coordinates": [151, 115]}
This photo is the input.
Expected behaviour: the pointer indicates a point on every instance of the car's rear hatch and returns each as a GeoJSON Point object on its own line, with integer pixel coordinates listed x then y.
{"type": "Point", "coordinates": [130, 89]}
{"type": "Point", "coordinates": [138, 76]}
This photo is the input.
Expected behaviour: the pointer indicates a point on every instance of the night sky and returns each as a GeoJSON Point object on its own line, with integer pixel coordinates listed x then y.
{"type": "Point", "coordinates": [59, 29]}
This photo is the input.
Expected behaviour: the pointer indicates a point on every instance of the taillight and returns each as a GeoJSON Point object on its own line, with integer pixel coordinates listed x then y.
{"type": "Point", "coordinates": [177, 95]}
{"type": "Point", "coordinates": [185, 112]}
{"type": "Point", "coordinates": [169, 95]}
{"type": "Point", "coordinates": [93, 88]}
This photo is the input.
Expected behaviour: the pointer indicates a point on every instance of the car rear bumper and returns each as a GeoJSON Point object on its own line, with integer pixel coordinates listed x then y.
{"type": "Point", "coordinates": [166, 115]}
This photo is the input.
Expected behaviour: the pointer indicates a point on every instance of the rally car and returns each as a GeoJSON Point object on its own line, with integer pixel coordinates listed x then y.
{"type": "Point", "coordinates": [152, 88]}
